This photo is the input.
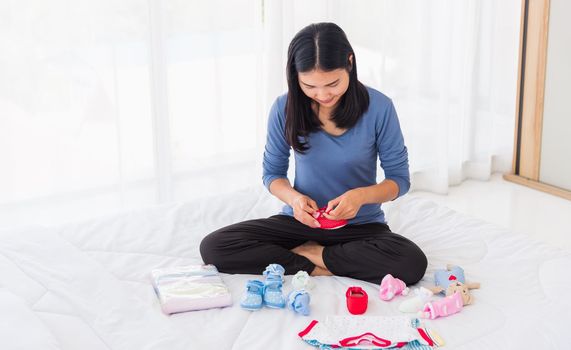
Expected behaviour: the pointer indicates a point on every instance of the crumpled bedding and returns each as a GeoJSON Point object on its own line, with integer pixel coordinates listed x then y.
{"type": "Point", "coordinates": [87, 285]}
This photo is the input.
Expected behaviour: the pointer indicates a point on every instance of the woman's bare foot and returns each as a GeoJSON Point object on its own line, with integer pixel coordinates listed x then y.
{"type": "Point", "coordinates": [319, 271]}
{"type": "Point", "coordinates": [313, 252]}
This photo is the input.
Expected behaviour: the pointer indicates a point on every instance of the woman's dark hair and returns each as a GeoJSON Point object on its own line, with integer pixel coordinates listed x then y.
{"type": "Point", "coordinates": [321, 46]}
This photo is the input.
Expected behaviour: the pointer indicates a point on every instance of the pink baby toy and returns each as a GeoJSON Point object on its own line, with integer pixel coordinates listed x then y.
{"type": "Point", "coordinates": [391, 286]}
{"type": "Point", "coordinates": [443, 307]}
{"type": "Point", "coordinates": [452, 282]}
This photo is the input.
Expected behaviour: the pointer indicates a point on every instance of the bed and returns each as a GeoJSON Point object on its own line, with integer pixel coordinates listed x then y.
{"type": "Point", "coordinates": [86, 285]}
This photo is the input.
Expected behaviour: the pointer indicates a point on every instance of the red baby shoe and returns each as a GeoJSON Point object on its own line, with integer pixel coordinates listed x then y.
{"type": "Point", "coordinates": [328, 224]}
{"type": "Point", "coordinates": [357, 300]}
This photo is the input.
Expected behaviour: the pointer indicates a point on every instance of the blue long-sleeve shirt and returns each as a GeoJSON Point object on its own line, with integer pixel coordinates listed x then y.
{"type": "Point", "coordinates": [336, 164]}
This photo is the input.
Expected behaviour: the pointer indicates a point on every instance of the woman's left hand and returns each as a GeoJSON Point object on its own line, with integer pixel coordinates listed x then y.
{"type": "Point", "coordinates": [346, 205]}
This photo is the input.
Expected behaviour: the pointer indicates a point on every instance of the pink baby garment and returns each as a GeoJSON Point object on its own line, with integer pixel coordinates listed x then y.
{"type": "Point", "coordinates": [443, 307]}
{"type": "Point", "coordinates": [188, 288]}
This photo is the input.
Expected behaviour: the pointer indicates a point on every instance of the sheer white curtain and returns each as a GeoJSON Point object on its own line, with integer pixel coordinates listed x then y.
{"type": "Point", "coordinates": [450, 68]}
{"type": "Point", "coordinates": [76, 133]}
{"type": "Point", "coordinates": [108, 105]}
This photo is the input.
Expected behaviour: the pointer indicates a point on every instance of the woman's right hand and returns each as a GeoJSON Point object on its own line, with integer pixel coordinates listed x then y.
{"type": "Point", "coordinates": [303, 210]}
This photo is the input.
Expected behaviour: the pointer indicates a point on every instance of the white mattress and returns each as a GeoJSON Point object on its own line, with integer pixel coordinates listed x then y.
{"type": "Point", "coordinates": [86, 285]}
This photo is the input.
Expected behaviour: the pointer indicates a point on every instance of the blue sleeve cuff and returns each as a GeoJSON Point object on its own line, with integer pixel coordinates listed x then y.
{"type": "Point", "coordinates": [403, 184]}
{"type": "Point", "coordinates": [275, 162]}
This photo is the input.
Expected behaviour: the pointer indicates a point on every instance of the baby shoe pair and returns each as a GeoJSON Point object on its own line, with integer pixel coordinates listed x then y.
{"type": "Point", "coordinates": [268, 293]}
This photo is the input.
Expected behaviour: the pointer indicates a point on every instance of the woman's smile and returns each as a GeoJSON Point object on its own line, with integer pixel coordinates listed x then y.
{"type": "Point", "coordinates": [325, 102]}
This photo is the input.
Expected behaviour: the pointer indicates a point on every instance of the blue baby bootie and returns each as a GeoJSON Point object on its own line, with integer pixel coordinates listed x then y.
{"type": "Point", "coordinates": [274, 272]}
{"type": "Point", "coordinates": [253, 296]}
{"type": "Point", "coordinates": [298, 301]}
{"type": "Point", "coordinates": [273, 296]}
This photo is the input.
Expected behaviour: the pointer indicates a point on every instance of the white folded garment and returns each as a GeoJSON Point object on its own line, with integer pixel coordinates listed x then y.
{"type": "Point", "coordinates": [188, 288]}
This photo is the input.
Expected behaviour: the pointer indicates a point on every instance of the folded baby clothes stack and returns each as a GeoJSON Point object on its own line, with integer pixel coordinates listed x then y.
{"type": "Point", "coordinates": [189, 288]}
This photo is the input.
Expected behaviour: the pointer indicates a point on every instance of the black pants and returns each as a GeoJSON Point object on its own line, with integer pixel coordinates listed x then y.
{"type": "Point", "coordinates": [367, 252]}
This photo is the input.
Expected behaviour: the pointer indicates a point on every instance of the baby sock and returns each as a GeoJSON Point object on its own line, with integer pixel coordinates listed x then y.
{"type": "Point", "coordinates": [298, 301]}
{"type": "Point", "coordinates": [416, 303]}
{"type": "Point", "coordinates": [301, 280]}
{"type": "Point", "coordinates": [391, 286]}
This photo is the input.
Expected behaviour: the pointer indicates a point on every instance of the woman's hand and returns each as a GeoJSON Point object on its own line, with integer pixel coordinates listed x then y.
{"type": "Point", "coordinates": [346, 205]}
{"type": "Point", "coordinates": [303, 209]}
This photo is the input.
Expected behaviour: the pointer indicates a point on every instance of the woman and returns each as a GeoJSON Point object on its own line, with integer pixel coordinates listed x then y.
{"type": "Point", "coordinates": [337, 128]}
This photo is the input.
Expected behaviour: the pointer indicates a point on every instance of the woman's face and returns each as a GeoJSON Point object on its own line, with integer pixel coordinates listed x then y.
{"type": "Point", "coordinates": [325, 88]}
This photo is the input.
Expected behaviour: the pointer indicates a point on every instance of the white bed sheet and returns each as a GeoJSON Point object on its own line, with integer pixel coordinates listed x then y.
{"type": "Point", "coordinates": [86, 285]}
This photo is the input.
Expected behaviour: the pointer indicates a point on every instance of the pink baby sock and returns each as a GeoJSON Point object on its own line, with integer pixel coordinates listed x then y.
{"type": "Point", "coordinates": [391, 286]}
